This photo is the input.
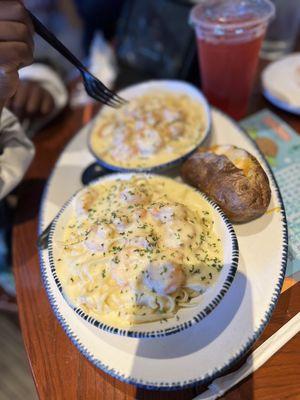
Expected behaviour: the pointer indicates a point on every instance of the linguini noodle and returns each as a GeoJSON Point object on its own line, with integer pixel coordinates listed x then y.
{"type": "Point", "coordinates": [130, 254]}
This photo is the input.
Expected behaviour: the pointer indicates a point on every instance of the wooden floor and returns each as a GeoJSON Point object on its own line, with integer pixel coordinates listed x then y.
{"type": "Point", "coordinates": [16, 382]}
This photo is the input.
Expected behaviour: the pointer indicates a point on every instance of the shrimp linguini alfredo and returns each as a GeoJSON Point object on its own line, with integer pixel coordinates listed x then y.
{"type": "Point", "coordinates": [132, 254]}
{"type": "Point", "coordinates": [152, 129]}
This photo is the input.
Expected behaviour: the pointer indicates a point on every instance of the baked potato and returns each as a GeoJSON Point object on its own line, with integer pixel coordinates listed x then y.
{"type": "Point", "coordinates": [232, 177]}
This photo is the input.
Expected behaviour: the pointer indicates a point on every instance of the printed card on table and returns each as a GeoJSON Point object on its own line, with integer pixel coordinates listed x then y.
{"type": "Point", "coordinates": [281, 147]}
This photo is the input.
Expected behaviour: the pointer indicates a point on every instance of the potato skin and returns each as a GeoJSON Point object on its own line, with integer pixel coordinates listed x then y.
{"type": "Point", "coordinates": [243, 197]}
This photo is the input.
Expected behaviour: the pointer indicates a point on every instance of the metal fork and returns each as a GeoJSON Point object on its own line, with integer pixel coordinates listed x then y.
{"type": "Point", "coordinates": [93, 86]}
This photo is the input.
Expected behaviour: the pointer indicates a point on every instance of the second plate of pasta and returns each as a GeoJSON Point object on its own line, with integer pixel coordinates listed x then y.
{"type": "Point", "coordinates": [142, 255]}
{"type": "Point", "coordinates": [163, 123]}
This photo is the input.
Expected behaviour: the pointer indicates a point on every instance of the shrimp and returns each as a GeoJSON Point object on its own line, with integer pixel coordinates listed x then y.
{"type": "Point", "coordinates": [127, 264]}
{"type": "Point", "coordinates": [166, 212]}
{"type": "Point", "coordinates": [148, 142]}
{"type": "Point", "coordinates": [121, 221]}
{"type": "Point", "coordinates": [178, 234]}
{"type": "Point", "coordinates": [164, 277]}
{"type": "Point", "coordinates": [84, 201]}
{"type": "Point", "coordinates": [170, 115]}
{"type": "Point", "coordinates": [133, 195]}
{"type": "Point", "coordinates": [122, 151]}
{"type": "Point", "coordinates": [97, 239]}
{"type": "Point", "coordinates": [139, 242]}
{"type": "Point", "coordinates": [139, 215]}
{"type": "Point", "coordinates": [176, 130]}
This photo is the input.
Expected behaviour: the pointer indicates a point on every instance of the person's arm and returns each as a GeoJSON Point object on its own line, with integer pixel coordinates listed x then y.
{"type": "Point", "coordinates": [16, 46]}
{"type": "Point", "coordinates": [16, 51]}
{"type": "Point", "coordinates": [17, 153]}
{"type": "Point", "coordinates": [41, 93]}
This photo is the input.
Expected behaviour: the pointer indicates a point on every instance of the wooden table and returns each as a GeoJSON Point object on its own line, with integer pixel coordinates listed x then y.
{"type": "Point", "coordinates": [59, 370]}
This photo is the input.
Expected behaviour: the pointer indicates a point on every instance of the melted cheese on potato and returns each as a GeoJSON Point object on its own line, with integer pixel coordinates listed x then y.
{"type": "Point", "coordinates": [150, 130]}
{"type": "Point", "coordinates": [133, 254]}
{"type": "Point", "coordinates": [239, 157]}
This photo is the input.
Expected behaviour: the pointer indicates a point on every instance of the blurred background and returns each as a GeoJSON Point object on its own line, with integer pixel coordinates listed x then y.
{"type": "Point", "coordinates": [152, 37]}
{"type": "Point", "coordinates": [127, 41]}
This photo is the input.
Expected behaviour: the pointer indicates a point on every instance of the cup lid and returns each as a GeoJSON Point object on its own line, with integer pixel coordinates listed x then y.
{"type": "Point", "coordinates": [231, 14]}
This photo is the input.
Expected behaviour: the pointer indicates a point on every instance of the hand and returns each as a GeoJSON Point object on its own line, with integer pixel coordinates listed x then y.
{"type": "Point", "coordinates": [16, 45]}
{"type": "Point", "coordinates": [31, 101]}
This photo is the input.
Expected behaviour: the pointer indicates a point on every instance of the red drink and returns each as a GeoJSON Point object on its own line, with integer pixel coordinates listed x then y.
{"type": "Point", "coordinates": [229, 36]}
{"type": "Point", "coordinates": [228, 72]}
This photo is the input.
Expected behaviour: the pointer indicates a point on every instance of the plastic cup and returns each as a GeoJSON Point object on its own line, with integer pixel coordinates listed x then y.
{"type": "Point", "coordinates": [229, 35]}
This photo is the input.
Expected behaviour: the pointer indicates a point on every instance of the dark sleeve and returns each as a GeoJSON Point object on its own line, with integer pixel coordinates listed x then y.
{"type": "Point", "coordinates": [99, 15]}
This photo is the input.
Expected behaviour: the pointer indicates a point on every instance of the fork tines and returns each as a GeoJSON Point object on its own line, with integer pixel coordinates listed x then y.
{"type": "Point", "coordinates": [100, 92]}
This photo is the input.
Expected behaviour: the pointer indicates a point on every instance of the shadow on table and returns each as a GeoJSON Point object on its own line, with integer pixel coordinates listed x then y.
{"type": "Point", "coordinates": [29, 196]}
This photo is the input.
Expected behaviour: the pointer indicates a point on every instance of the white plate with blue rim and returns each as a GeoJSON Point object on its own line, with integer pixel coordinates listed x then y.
{"type": "Point", "coordinates": [281, 83]}
{"type": "Point", "coordinates": [184, 318]}
{"type": "Point", "coordinates": [168, 86]}
{"type": "Point", "coordinates": [216, 343]}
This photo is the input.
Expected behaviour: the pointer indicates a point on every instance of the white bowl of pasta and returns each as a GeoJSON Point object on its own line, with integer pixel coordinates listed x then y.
{"type": "Point", "coordinates": [131, 260]}
{"type": "Point", "coordinates": [162, 124]}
